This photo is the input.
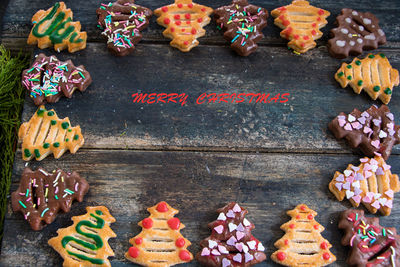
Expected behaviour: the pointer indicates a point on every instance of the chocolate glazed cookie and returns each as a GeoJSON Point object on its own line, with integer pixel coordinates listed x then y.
{"type": "Point", "coordinates": [242, 24]}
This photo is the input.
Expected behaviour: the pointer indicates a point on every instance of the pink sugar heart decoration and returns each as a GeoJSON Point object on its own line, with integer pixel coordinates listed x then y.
{"type": "Point", "coordinates": [361, 120]}
{"type": "Point", "coordinates": [230, 214]}
{"type": "Point", "coordinates": [252, 244]}
{"type": "Point", "coordinates": [376, 205]}
{"type": "Point", "coordinates": [223, 249]}
{"type": "Point", "coordinates": [231, 241]}
{"type": "Point", "coordinates": [348, 172]}
{"type": "Point", "coordinates": [367, 199]}
{"type": "Point", "coordinates": [379, 171]}
{"type": "Point", "coordinates": [363, 160]}
{"type": "Point", "coordinates": [205, 252]}
{"type": "Point", "coordinates": [390, 116]}
{"type": "Point", "coordinates": [236, 208]}
{"type": "Point", "coordinates": [212, 244]}
{"type": "Point", "coordinates": [356, 125]}
{"type": "Point", "coordinates": [340, 178]}
{"type": "Point", "coordinates": [389, 193]}
{"type": "Point", "coordinates": [347, 127]}
{"type": "Point", "coordinates": [365, 114]}
{"type": "Point", "coordinates": [367, 130]}
{"type": "Point", "coordinates": [346, 186]}
{"type": "Point", "coordinates": [341, 122]}
{"type": "Point", "coordinates": [221, 217]}
{"type": "Point", "coordinates": [237, 258]}
{"type": "Point", "coordinates": [215, 252]}
{"type": "Point", "coordinates": [351, 118]}
{"type": "Point", "coordinates": [239, 246]}
{"type": "Point", "coordinates": [390, 125]}
{"type": "Point", "coordinates": [382, 134]}
{"type": "Point", "coordinates": [359, 176]}
{"type": "Point", "coordinates": [341, 117]}
{"type": "Point", "coordinates": [349, 194]}
{"type": "Point", "coordinates": [219, 229]}
{"type": "Point", "coordinates": [391, 132]}
{"type": "Point", "coordinates": [239, 235]}
{"type": "Point", "coordinates": [389, 204]}
{"type": "Point", "coordinates": [225, 262]}
{"type": "Point", "coordinates": [375, 143]}
{"type": "Point", "coordinates": [248, 257]}
{"type": "Point", "coordinates": [376, 122]}
{"type": "Point", "coordinates": [357, 199]}
{"type": "Point", "coordinates": [373, 162]}
{"type": "Point", "coordinates": [357, 191]}
{"type": "Point", "coordinates": [240, 227]}
{"type": "Point", "coordinates": [386, 166]}
{"type": "Point", "coordinates": [339, 186]}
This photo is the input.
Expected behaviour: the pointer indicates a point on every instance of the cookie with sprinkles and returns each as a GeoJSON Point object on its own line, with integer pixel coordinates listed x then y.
{"type": "Point", "coordinates": [374, 74]}
{"type": "Point", "coordinates": [242, 24]}
{"type": "Point", "coordinates": [48, 79]}
{"type": "Point", "coordinates": [370, 243]}
{"type": "Point", "coordinates": [85, 243]}
{"type": "Point", "coordinates": [184, 22]}
{"type": "Point", "coordinates": [45, 134]}
{"type": "Point", "coordinates": [356, 31]}
{"type": "Point", "coordinates": [301, 24]}
{"type": "Point", "coordinates": [41, 195]}
{"type": "Point", "coordinates": [122, 23]}
{"type": "Point", "coordinates": [231, 242]}
{"type": "Point", "coordinates": [371, 183]}
{"type": "Point", "coordinates": [372, 131]}
{"type": "Point", "coordinates": [303, 244]}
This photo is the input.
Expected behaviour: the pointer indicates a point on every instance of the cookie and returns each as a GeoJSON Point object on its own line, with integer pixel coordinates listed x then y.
{"type": "Point", "coordinates": [356, 31]}
{"type": "Point", "coordinates": [303, 244]}
{"type": "Point", "coordinates": [242, 24]}
{"type": "Point", "coordinates": [370, 243]}
{"type": "Point", "coordinates": [45, 133]}
{"type": "Point", "coordinates": [122, 23]}
{"type": "Point", "coordinates": [160, 243]}
{"type": "Point", "coordinates": [231, 242]}
{"type": "Point", "coordinates": [49, 78]}
{"type": "Point", "coordinates": [85, 243]}
{"type": "Point", "coordinates": [371, 183]}
{"type": "Point", "coordinates": [374, 74]}
{"type": "Point", "coordinates": [55, 27]}
{"type": "Point", "coordinates": [184, 21]}
{"type": "Point", "coordinates": [41, 195]}
{"type": "Point", "coordinates": [301, 24]}
{"type": "Point", "coordinates": [373, 131]}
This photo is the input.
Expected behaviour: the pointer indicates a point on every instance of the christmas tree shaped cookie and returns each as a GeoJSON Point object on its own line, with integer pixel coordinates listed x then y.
{"type": "Point", "coordinates": [55, 27]}
{"type": "Point", "coordinates": [231, 242]}
{"type": "Point", "coordinates": [45, 133]}
{"type": "Point", "coordinates": [373, 131]}
{"type": "Point", "coordinates": [374, 74]}
{"type": "Point", "coordinates": [49, 78]}
{"type": "Point", "coordinates": [371, 183]}
{"type": "Point", "coordinates": [242, 24]}
{"type": "Point", "coordinates": [302, 244]}
{"type": "Point", "coordinates": [184, 21]}
{"type": "Point", "coordinates": [85, 243]}
{"type": "Point", "coordinates": [370, 243]}
{"type": "Point", "coordinates": [301, 24]}
{"type": "Point", "coordinates": [122, 23]}
{"type": "Point", "coordinates": [160, 243]}
{"type": "Point", "coordinates": [41, 195]}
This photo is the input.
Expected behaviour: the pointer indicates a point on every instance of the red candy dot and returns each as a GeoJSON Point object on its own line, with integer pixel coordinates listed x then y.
{"type": "Point", "coordinates": [289, 29]}
{"type": "Point", "coordinates": [147, 223]}
{"type": "Point", "coordinates": [282, 17]}
{"type": "Point", "coordinates": [133, 252]}
{"type": "Point", "coordinates": [298, 217]}
{"type": "Point", "coordinates": [313, 32]}
{"type": "Point", "coordinates": [203, 10]}
{"type": "Point", "coordinates": [188, 22]}
{"type": "Point", "coordinates": [138, 241]}
{"type": "Point", "coordinates": [306, 37]}
{"type": "Point", "coordinates": [319, 19]}
{"type": "Point", "coordinates": [180, 5]}
{"type": "Point", "coordinates": [172, 29]}
{"type": "Point", "coordinates": [302, 44]}
{"type": "Point", "coordinates": [200, 20]}
{"type": "Point", "coordinates": [174, 223]}
{"type": "Point", "coordinates": [321, 12]}
{"type": "Point", "coordinates": [166, 21]}
{"type": "Point", "coordinates": [164, 9]}
{"type": "Point", "coordinates": [324, 245]}
{"type": "Point", "coordinates": [310, 217]}
{"type": "Point", "coordinates": [190, 5]}
{"type": "Point", "coordinates": [282, 8]}
{"type": "Point", "coordinates": [187, 16]}
{"type": "Point", "coordinates": [183, 30]}
{"type": "Point", "coordinates": [316, 226]}
{"type": "Point", "coordinates": [291, 226]}
{"type": "Point", "coordinates": [162, 207]}
{"type": "Point", "coordinates": [185, 42]}
{"type": "Point", "coordinates": [286, 242]}
{"type": "Point", "coordinates": [326, 256]}
{"type": "Point", "coordinates": [281, 256]}
{"type": "Point", "coordinates": [296, 36]}
{"type": "Point", "coordinates": [180, 242]}
{"type": "Point", "coordinates": [177, 16]}
{"type": "Point", "coordinates": [285, 23]}
{"type": "Point", "coordinates": [194, 31]}
{"type": "Point", "coordinates": [303, 208]}
{"type": "Point", "coordinates": [185, 255]}
{"type": "Point", "coordinates": [314, 24]}
{"type": "Point", "coordinates": [178, 22]}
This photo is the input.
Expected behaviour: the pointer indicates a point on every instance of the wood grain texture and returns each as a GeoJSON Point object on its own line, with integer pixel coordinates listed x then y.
{"type": "Point", "coordinates": [109, 119]}
{"type": "Point", "coordinates": [195, 183]}
{"type": "Point", "coordinates": [17, 20]}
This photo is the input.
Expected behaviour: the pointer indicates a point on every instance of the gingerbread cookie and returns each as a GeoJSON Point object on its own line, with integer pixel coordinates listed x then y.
{"type": "Point", "coordinates": [45, 133]}
{"type": "Point", "coordinates": [370, 243]}
{"type": "Point", "coordinates": [302, 244]}
{"type": "Point", "coordinates": [242, 24]}
{"type": "Point", "coordinates": [41, 195]}
{"type": "Point", "coordinates": [160, 243]}
{"type": "Point", "coordinates": [374, 74]}
{"type": "Point", "coordinates": [231, 242]}
{"type": "Point", "coordinates": [301, 23]}
{"type": "Point", "coordinates": [122, 23]}
{"type": "Point", "coordinates": [356, 32]}
{"type": "Point", "coordinates": [371, 183]}
{"type": "Point", "coordinates": [55, 27]}
{"type": "Point", "coordinates": [184, 21]}
{"type": "Point", "coordinates": [49, 78]}
{"type": "Point", "coordinates": [85, 243]}
{"type": "Point", "coordinates": [373, 131]}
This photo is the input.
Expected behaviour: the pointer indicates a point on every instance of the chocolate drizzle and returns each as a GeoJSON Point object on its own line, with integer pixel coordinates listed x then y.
{"type": "Point", "coordinates": [41, 195]}
{"type": "Point", "coordinates": [231, 242]}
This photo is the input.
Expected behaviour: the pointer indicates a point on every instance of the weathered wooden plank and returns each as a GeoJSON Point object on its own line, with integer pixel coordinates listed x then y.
{"type": "Point", "coordinates": [17, 19]}
{"type": "Point", "coordinates": [109, 119]}
{"type": "Point", "coordinates": [127, 182]}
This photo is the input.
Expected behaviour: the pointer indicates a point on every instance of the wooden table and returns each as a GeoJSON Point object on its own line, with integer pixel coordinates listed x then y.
{"type": "Point", "coordinates": [268, 157]}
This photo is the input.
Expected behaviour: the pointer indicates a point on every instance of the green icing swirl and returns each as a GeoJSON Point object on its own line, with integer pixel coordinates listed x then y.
{"type": "Point", "coordinates": [56, 30]}
{"type": "Point", "coordinates": [96, 238]}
